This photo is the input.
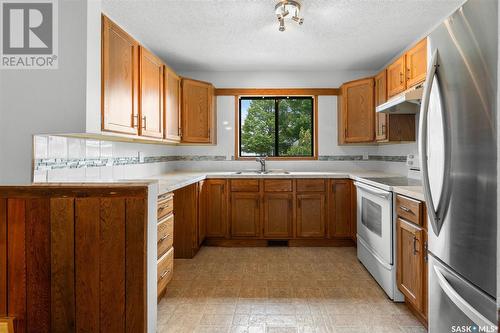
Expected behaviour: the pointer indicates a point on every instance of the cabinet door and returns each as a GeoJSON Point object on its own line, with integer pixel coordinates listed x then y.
{"type": "Point", "coordinates": [197, 116]}
{"type": "Point", "coordinates": [416, 64]}
{"type": "Point", "coordinates": [310, 218]}
{"type": "Point", "coordinates": [358, 112]}
{"type": "Point", "coordinates": [120, 80]}
{"type": "Point", "coordinates": [245, 214]}
{"type": "Point", "coordinates": [380, 98]}
{"type": "Point", "coordinates": [151, 101]}
{"type": "Point", "coordinates": [172, 106]}
{"type": "Point", "coordinates": [202, 211]}
{"type": "Point", "coordinates": [396, 78]}
{"type": "Point", "coordinates": [278, 215]}
{"type": "Point", "coordinates": [216, 209]}
{"type": "Point", "coordinates": [340, 219]}
{"type": "Point", "coordinates": [410, 262]}
{"type": "Point", "coordinates": [186, 221]}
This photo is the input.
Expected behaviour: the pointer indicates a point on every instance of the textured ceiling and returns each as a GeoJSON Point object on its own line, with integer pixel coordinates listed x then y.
{"type": "Point", "coordinates": [242, 35]}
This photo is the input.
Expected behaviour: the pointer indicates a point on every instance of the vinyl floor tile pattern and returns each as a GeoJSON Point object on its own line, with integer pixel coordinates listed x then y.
{"type": "Point", "coordinates": [279, 290]}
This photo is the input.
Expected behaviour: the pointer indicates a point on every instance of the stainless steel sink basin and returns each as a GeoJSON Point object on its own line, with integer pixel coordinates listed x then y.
{"type": "Point", "coordinates": [258, 172]}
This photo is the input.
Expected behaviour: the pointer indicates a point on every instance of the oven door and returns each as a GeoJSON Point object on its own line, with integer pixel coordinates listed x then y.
{"type": "Point", "coordinates": [374, 220]}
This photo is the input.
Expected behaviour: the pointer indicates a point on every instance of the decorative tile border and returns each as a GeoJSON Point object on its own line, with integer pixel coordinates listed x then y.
{"type": "Point", "coordinates": [387, 158]}
{"type": "Point", "coordinates": [58, 163]}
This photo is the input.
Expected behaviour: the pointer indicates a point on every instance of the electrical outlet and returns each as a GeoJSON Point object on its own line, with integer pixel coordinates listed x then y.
{"type": "Point", "coordinates": [140, 156]}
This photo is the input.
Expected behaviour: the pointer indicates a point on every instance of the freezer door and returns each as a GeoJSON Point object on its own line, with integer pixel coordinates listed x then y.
{"type": "Point", "coordinates": [458, 142]}
{"type": "Point", "coordinates": [455, 305]}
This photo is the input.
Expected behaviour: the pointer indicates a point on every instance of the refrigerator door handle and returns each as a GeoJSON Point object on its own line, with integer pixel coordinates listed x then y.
{"type": "Point", "coordinates": [461, 303]}
{"type": "Point", "coordinates": [435, 212]}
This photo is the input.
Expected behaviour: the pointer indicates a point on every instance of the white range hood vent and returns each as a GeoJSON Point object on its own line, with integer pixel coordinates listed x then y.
{"type": "Point", "coordinates": [407, 102]}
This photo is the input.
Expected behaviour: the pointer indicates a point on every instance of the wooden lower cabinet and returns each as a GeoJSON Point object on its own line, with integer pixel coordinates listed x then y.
{"type": "Point", "coordinates": [202, 211]}
{"type": "Point", "coordinates": [310, 219]}
{"type": "Point", "coordinates": [411, 266]}
{"type": "Point", "coordinates": [243, 211]}
{"type": "Point", "coordinates": [340, 219]}
{"type": "Point", "coordinates": [216, 208]}
{"type": "Point", "coordinates": [245, 214]}
{"type": "Point", "coordinates": [186, 222]}
{"type": "Point", "coordinates": [278, 215]}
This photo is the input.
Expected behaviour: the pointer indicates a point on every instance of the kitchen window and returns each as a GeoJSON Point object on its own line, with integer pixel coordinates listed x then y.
{"type": "Point", "coordinates": [277, 127]}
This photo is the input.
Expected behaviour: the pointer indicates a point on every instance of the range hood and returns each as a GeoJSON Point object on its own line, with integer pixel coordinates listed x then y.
{"type": "Point", "coordinates": [407, 102]}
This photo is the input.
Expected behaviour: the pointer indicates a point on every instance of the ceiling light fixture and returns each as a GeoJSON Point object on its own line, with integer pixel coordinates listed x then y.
{"type": "Point", "coordinates": [283, 9]}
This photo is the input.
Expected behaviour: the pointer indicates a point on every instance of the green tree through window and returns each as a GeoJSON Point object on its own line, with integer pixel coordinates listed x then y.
{"type": "Point", "coordinates": [276, 126]}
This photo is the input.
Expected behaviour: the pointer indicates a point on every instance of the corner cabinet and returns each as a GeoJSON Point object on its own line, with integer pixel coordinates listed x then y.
{"type": "Point", "coordinates": [356, 112]}
{"type": "Point", "coordinates": [151, 94]}
{"type": "Point", "coordinates": [198, 112]}
{"type": "Point", "coordinates": [172, 106]}
{"type": "Point", "coordinates": [120, 80]}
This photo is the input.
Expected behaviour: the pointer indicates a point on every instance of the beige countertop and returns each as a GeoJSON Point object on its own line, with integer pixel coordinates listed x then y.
{"type": "Point", "coordinates": [174, 180]}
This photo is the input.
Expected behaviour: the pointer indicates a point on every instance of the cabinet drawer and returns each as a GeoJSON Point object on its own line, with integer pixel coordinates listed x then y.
{"type": "Point", "coordinates": [165, 270]}
{"type": "Point", "coordinates": [245, 185]}
{"type": "Point", "coordinates": [165, 234]}
{"type": "Point", "coordinates": [165, 205]}
{"type": "Point", "coordinates": [311, 185]}
{"type": "Point", "coordinates": [409, 209]}
{"type": "Point", "coordinates": [278, 185]}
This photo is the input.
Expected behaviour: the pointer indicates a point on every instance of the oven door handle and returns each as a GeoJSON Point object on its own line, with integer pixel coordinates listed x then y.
{"type": "Point", "coordinates": [372, 190]}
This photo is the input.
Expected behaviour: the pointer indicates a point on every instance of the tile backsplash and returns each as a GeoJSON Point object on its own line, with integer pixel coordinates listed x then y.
{"type": "Point", "coordinates": [60, 159]}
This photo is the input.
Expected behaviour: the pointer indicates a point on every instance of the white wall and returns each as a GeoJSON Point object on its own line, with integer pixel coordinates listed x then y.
{"type": "Point", "coordinates": [327, 122]}
{"type": "Point", "coordinates": [47, 101]}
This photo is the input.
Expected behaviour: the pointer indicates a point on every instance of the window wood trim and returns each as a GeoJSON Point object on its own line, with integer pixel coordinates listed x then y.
{"type": "Point", "coordinates": [274, 158]}
{"type": "Point", "coordinates": [298, 92]}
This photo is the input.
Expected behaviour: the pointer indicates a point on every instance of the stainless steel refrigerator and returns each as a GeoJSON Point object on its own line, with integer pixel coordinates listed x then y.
{"type": "Point", "coordinates": [458, 147]}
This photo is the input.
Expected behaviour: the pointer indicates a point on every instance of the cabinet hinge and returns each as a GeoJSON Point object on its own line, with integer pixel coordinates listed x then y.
{"type": "Point", "coordinates": [426, 253]}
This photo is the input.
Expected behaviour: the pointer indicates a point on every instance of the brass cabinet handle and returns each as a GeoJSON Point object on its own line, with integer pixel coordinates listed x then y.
{"type": "Point", "coordinates": [163, 238]}
{"type": "Point", "coordinates": [401, 77]}
{"type": "Point", "coordinates": [415, 245]}
{"type": "Point", "coordinates": [408, 210]}
{"type": "Point", "coordinates": [164, 274]}
{"type": "Point", "coordinates": [135, 121]}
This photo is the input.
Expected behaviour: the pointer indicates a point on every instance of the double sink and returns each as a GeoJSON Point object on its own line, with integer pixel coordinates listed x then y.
{"type": "Point", "coordinates": [259, 172]}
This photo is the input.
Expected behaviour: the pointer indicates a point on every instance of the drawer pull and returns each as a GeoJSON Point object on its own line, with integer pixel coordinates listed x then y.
{"type": "Point", "coordinates": [408, 210]}
{"type": "Point", "coordinates": [163, 238]}
{"type": "Point", "coordinates": [164, 274]}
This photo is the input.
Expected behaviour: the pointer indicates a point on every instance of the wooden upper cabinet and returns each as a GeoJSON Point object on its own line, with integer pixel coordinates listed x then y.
{"type": "Point", "coordinates": [216, 208]}
{"type": "Point", "coordinates": [278, 215]}
{"type": "Point", "coordinates": [339, 208]}
{"type": "Point", "coordinates": [411, 262]}
{"type": "Point", "coordinates": [396, 77]}
{"type": "Point", "coordinates": [357, 112]}
{"type": "Point", "coordinates": [310, 220]}
{"type": "Point", "coordinates": [120, 80]}
{"type": "Point", "coordinates": [245, 214]}
{"type": "Point", "coordinates": [380, 98]}
{"type": "Point", "coordinates": [172, 106]}
{"type": "Point", "coordinates": [198, 112]}
{"type": "Point", "coordinates": [416, 64]}
{"type": "Point", "coordinates": [151, 97]}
